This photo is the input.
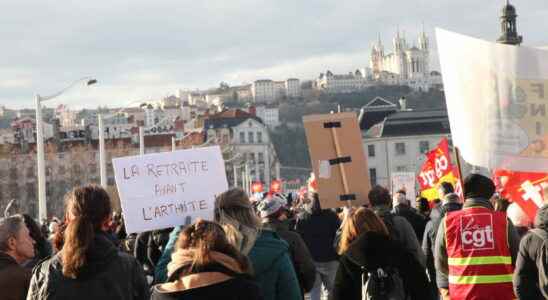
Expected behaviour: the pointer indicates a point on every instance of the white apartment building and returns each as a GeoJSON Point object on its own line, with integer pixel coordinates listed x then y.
{"type": "Point", "coordinates": [269, 114]}
{"type": "Point", "coordinates": [279, 90]}
{"type": "Point", "coordinates": [399, 142]}
{"type": "Point", "coordinates": [250, 140]}
{"type": "Point", "coordinates": [293, 87]}
{"type": "Point", "coordinates": [263, 91]}
{"type": "Point", "coordinates": [343, 83]}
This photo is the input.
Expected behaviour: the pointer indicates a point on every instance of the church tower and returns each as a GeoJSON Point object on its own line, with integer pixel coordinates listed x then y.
{"type": "Point", "coordinates": [508, 25]}
{"type": "Point", "coordinates": [425, 52]}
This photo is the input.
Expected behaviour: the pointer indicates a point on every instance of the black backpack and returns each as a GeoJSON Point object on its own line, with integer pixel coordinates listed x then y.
{"type": "Point", "coordinates": [382, 284]}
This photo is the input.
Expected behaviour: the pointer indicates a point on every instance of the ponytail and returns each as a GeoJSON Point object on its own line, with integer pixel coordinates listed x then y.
{"type": "Point", "coordinates": [86, 208]}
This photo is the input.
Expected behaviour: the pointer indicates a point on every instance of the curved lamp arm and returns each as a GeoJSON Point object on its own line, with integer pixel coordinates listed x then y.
{"type": "Point", "coordinates": [88, 80]}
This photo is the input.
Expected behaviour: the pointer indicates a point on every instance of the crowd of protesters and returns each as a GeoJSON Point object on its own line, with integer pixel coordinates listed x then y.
{"type": "Point", "coordinates": [285, 247]}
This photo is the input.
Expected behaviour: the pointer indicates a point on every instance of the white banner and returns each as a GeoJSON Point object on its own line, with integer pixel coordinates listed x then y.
{"type": "Point", "coordinates": [168, 189]}
{"type": "Point", "coordinates": [405, 181]}
{"type": "Point", "coordinates": [496, 99]}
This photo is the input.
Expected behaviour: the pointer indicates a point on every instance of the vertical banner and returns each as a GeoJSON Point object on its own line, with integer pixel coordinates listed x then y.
{"type": "Point", "coordinates": [163, 190]}
{"type": "Point", "coordinates": [404, 181]}
{"type": "Point", "coordinates": [496, 98]}
{"type": "Point", "coordinates": [436, 169]}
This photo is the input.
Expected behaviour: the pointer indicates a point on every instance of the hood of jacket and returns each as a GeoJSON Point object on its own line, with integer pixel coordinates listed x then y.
{"type": "Point", "coordinates": [183, 259]}
{"type": "Point", "coordinates": [6, 260]}
{"type": "Point", "coordinates": [371, 250]}
{"type": "Point", "coordinates": [267, 250]}
{"type": "Point", "coordinates": [541, 219]}
{"type": "Point", "coordinates": [98, 257]}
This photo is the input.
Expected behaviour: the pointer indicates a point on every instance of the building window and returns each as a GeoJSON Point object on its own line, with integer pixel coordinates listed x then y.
{"type": "Point", "coordinates": [401, 169]}
{"type": "Point", "coordinates": [424, 146]}
{"type": "Point", "coordinates": [371, 150]}
{"type": "Point", "coordinates": [251, 137]}
{"type": "Point", "coordinates": [373, 176]}
{"type": "Point", "coordinates": [400, 148]}
{"type": "Point", "coordinates": [261, 157]}
{"type": "Point", "coordinates": [252, 156]}
{"type": "Point", "coordinates": [242, 137]}
{"type": "Point", "coordinates": [259, 137]}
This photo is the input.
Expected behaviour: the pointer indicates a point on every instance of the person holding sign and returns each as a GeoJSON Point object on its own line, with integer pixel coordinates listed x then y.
{"type": "Point", "coordinates": [269, 255]}
{"type": "Point", "coordinates": [88, 266]}
{"type": "Point", "coordinates": [205, 265]}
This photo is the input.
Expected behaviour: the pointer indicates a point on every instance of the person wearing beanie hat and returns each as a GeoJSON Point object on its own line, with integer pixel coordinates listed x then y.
{"type": "Point", "coordinates": [274, 215]}
{"type": "Point", "coordinates": [531, 274]}
{"type": "Point", "coordinates": [469, 238]}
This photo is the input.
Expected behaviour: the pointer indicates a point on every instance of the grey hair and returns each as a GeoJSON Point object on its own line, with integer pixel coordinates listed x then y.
{"type": "Point", "coordinates": [9, 227]}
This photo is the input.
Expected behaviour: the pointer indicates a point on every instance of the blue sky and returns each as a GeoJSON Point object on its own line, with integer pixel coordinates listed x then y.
{"type": "Point", "coordinates": [148, 49]}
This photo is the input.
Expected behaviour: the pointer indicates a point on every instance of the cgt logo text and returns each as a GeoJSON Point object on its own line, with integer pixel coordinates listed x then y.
{"type": "Point", "coordinates": [477, 232]}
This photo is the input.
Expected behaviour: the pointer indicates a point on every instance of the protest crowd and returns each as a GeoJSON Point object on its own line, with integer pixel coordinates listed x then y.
{"type": "Point", "coordinates": [284, 246]}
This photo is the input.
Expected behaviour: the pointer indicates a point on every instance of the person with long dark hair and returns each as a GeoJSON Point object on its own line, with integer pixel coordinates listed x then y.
{"type": "Point", "coordinates": [204, 265]}
{"type": "Point", "coordinates": [88, 265]}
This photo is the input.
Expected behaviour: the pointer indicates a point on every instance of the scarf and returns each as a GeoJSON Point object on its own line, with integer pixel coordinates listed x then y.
{"type": "Point", "coordinates": [184, 258]}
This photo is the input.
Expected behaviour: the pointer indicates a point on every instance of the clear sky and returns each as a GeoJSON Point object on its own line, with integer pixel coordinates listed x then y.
{"type": "Point", "coordinates": [148, 49]}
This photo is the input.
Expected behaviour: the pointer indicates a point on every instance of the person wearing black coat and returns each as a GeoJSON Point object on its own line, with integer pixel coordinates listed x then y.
{"type": "Point", "coordinates": [529, 281]}
{"type": "Point", "coordinates": [402, 209]}
{"type": "Point", "coordinates": [88, 265]}
{"type": "Point", "coordinates": [366, 246]}
{"type": "Point", "coordinates": [318, 228]}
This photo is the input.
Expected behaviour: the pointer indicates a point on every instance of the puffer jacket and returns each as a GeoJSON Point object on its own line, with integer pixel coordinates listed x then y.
{"type": "Point", "coordinates": [299, 254]}
{"type": "Point", "coordinates": [107, 274]}
{"type": "Point", "coordinates": [528, 282]}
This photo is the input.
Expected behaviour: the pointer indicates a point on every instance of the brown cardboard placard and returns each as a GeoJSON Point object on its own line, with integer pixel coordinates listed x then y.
{"type": "Point", "coordinates": [338, 159]}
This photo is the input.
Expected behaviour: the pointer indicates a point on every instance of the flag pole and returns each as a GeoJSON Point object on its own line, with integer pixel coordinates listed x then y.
{"type": "Point", "coordinates": [456, 150]}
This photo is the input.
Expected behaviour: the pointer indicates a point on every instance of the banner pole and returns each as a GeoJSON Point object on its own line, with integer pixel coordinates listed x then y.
{"type": "Point", "coordinates": [459, 167]}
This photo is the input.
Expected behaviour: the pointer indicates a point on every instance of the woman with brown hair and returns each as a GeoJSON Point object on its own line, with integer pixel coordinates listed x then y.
{"type": "Point", "coordinates": [366, 248]}
{"type": "Point", "coordinates": [88, 266]}
{"type": "Point", "coordinates": [268, 254]}
{"type": "Point", "coordinates": [204, 265]}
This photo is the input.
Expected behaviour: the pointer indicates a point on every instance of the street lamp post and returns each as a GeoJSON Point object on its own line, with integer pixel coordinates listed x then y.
{"type": "Point", "coordinates": [102, 156]}
{"type": "Point", "coordinates": [141, 140]}
{"type": "Point", "coordinates": [40, 151]}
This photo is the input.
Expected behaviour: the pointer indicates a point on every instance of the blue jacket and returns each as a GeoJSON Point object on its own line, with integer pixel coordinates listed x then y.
{"type": "Point", "coordinates": [272, 266]}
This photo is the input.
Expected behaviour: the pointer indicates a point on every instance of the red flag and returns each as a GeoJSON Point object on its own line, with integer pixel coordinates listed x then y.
{"type": "Point", "coordinates": [276, 186]}
{"type": "Point", "coordinates": [523, 188]}
{"type": "Point", "coordinates": [257, 187]}
{"type": "Point", "coordinates": [437, 169]}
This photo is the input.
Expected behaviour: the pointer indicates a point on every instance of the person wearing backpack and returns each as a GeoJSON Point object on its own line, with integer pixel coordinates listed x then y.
{"type": "Point", "coordinates": [530, 276]}
{"type": "Point", "coordinates": [398, 227]}
{"type": "Point", "coordinates": [373, 266]}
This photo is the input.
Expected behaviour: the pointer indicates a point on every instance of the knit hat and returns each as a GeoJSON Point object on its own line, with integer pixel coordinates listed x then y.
{"type": "Point", "coordinates": [478, 186]}
{"type": "Point", "coordinates": [270, 206]}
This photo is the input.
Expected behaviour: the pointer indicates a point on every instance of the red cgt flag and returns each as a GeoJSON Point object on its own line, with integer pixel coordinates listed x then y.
{"type": "Point", "coordinates": [523, 188]}
{"type": "Point", "coordinates": [436, 169]}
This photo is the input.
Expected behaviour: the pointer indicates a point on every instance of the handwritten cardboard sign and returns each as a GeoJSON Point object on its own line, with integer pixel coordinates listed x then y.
{"type": "Point", "coordinates": [162, 190]}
